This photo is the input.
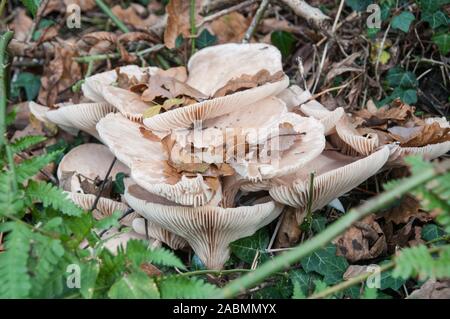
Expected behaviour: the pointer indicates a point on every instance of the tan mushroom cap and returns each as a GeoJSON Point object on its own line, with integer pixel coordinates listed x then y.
{"type": "Point", "coordinates": [294, 96]}
{"type": "Point", "coordinates": [100, 88]}
{"type": "Point", "coordinates": [326, 117]}
{"type": "Point", "coordinates": [146, 159]}
{"type": "Point", "coordinates": [105, 206]}
{"type": "Point", "coordinates": [299, 140]}
{"type": "Point", "coordinates": [335, 174]}
{"type": "Point", "coordinates": [72, 118]}
{"type": "Point", "coordinates": [90, 161]}
{"type": "Point", "coordinates": [364, 145]}
{"type": "Point", "coordinates": [210, 69]}
{"type": "Point", "coordinates": [208, 230]}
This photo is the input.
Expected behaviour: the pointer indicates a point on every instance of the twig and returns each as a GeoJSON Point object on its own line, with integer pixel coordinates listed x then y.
{"type": "Point", "coordinates": [311, 14]}
{"type": "Point", "coordinates": [102, 186]}
{"type": "Point", "coordinates": [258, 15]}
{"type": "Point", "coordinates": [113, 17]}
{"type": "Point", "coordinates": [288, 258]}
{"type": "Point", "coordinates": [125, 214]}
{"type": "Point", "coordinates": [193, 25]}
{"type": "Point", "coordinates": [4, 41]}
{"type": "Point", "coordinates": [223, 12]}
{"type": "Point", "coordinates": [99, 57]}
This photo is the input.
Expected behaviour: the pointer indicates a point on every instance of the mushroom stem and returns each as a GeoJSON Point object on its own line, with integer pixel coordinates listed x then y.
{"type": "Point", "coordinates": [288, 258]}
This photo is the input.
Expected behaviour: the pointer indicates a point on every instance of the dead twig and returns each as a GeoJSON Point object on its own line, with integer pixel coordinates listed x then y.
{"type": "Point", "coordinates": [313, 15]}
{"type": "Point", "coordinates": [223, 12]}
{"type": "Point", "coordinates": [259, 13]}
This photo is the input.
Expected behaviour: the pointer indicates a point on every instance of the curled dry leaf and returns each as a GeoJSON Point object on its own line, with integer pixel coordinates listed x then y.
{"type": "Point", "coordinates": [178, 20]}
{"type": "Point", "coordinates": [408, 208]}
{"type": "Point", "coordinates": [432, 289]}
{"type": "Point", "coordinates": [289, 232]}
{"type": "Point", "coordinates": [421, 136]}
{"type": "Point", "coordinates": [230, 27]}
{"type": "Point", "coordinates": [133, 16]}
{"type": "Point", "coordinates": [246, 81]}
{"type": "Point", "coordinates": [364, 240]}
{"type": "Point", "coordinates": [21, 25]}
{"type": "Point", "coordinates": [59, 75]}
{"type": "Point", "coordinates": [97, 43]}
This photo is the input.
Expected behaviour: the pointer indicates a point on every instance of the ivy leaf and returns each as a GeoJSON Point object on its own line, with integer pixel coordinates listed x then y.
{"type": "Point", "coordinates": [134, 286]}
{"type": "Point", "coordinates": [118, 185]}
{"type": "Point", "coordinates": [303, 280]}
{"type": "Point", "coordinates": [31, 5]}
{"type": "Point", "coordinates": [281, 289]}
{"type": "Point", "coordinates": [284, 41]}
{"type": "Point", "coordinates": [325, 262]}
{"type": "Point", "coordinates": [359, 5]}
{"type": "Point", "coordinates": [443, 42]}
{"type": "Point", "coordinates": [246, 248]}
{"type": "Point", "coordinates": [205, 39]}
{"type": "Point", "coordinates": [432, 232]}
{"type": "Point", "coordinates": [408, 96]}
{"type": "Point", "coordinates": [399, 77]}
{"type": "Point", "coordinates": [27, 81]}
{"type": "Point", "coordinates": [403, 21]}
{"type": "Point", "coordinates": [435, 19]}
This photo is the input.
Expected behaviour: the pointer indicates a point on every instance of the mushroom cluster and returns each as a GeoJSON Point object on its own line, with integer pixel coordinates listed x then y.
{"type": "Point", "coordinates": [190, 139]}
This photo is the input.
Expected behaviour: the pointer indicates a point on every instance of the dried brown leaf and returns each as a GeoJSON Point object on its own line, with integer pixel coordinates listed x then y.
{"type": "Point", "coordinates": [178, 20]}
{"type": "Point", "coordinates": [230, 27]}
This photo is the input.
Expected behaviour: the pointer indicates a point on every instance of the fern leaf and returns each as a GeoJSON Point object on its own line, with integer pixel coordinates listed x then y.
{"type": "Point", "coordinates": [51, 195]}
{"type": "Point", "coordinates": [11, 203]}
{"type": "Point", "coordinates": [30, 167]}
{"type": "Point", "coordinates": [186, 288]}
{"type": "Point", "coordinates": [139, 252]}
{"type": "Point", "coordinates": [14, 277]}
{"type": "Point", "coordinates": [47, 252]}
{"type": "Point", "coordinates": [297, 292]}
{"type": "Point", "coordinates": [136, 285]}
{"type": "Point", "coordinates": [23, 143]}
{"type": "Point", "coordinates": [414, 261]}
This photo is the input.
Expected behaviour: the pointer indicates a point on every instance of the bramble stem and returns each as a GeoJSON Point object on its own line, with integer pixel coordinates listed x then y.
{"type": "Point", "coordinates": [113, 17]}
{"type": "Point", "coordinates": [4, 41]}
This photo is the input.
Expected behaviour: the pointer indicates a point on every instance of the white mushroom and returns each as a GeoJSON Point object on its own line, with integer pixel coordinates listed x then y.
{"type": "Point", "coordinates": [335, 174]}
{"type": "Point", "coordinates": [72, 118]}
{"type": "Point", "coordinates": [362, 144]}
{"type": "Point", "coordinates": [208, 230]}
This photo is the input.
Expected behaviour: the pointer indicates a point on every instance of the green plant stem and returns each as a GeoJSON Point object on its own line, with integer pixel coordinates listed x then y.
{"type": "Point", "coordinates": [214, 272]}
{"type": "Point", "coordinates": [2, 7]}
{"type": "Point", "coordinates": [113, 17]}
{"type": "Point", "coordinates": [193, 25]}
{"type": "Point", "coordinates": [4, 41]}
{"type": "Point", "coordinates": [288, 258]}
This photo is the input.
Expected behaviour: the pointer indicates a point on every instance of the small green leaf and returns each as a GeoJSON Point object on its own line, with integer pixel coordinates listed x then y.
{"type": "Point", "coordinates": [152, 111]}
{"type": "Point", "coordinates": [436, 19]}
{"type": "Point", "coordinates": [370, 293]}
{"type": "Point", "coordinates": [29, 82]}
{"type": "Point", "coordinates": [118, 185]}
{"type": "Point", "coordinates": [246, 248]}
{"type": "Point", "coordinates": [304, 281]}
{"type": "Point", "coordinates": [89, 274]}
{"type": "Point", "coordinates": [205, 39]}
{"type": "Point", "coordinates": [403, 21]}
{"type": "Point", "coordinates": [31, 5]}
{"type": "Point", "coordinates": [408, 96]}
{"type": "Point", "coordinates": [284, 41]}
{"type": "Point", "coordinates": [134, 286]}
{"type": "Point", "coordinates": [109, 221]}
{"type": "Point", "coordinates": [325, 262]}
{"type": "Point", "coordinates": [401, 78]}
{"type": "Point", "coordinates": [432, 232]}
{"type": "Point", "coordinates": [443, 42]}
{"type": "Point", "coordinates": [359, 5]}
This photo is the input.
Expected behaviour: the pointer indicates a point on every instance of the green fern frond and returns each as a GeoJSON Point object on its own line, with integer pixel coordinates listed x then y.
{"type": "Point", "coordinates": [138, 252]}
{"type": "Point", "coordinates": [15, 280]}
{"type": "Point", "coordinates": [185, 288]}
{"type": "Point", "coordinates": [23, 143]}
{"type": "Point", "coordinates": [31, 5]}
{"type": "Point", "coordinates": [136, 285]}
{"type": "Point", "coordinates": [50, 195]}
{"type": "Point", "coordinates": [30, 167]}
{"type": "Point", "coordinates": [47, 253]}
{"type": "Point", "coordinates": [11, 203]}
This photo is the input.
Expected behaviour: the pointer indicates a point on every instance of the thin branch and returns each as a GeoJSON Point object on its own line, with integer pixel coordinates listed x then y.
{"type": "Point", "coordinates": [113, 17]}
{"type": "Point", "coordinates": [311, 14]}
{"type": "Point", "coordinates": [288, 258]}
{"type": "Point", "coordinates": [4, 41]}
{"type": "Point", "coordinates": [258, 15]}
{"type": "Point", "coordinates": [99, 57]}
{"type": "Point", "coordinates": [102, 186]}
{"type": "Point", "coordinates": [193, 25]}
{"type": "Point", "coordinates": [223, 12]}
{"type": "Point", "coordinates": [2, 7]}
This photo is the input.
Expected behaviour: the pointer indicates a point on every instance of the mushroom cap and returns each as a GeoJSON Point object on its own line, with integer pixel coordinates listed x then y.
{"type": "Point", "coordinates": [72, 118]}
{"type": "Point", "coordinates": [326, 117]}
{"type": "Point", "coordinates": [105, 206]}
{"type": "Point", "coordinates": [429, 152]}
{"type": "Point", "coordinates": [147, 159]}
{"type": "Point", "coordinates": [208, 230]}
{"type": "Point", "coordinates": [288, 150]}
{"type": "Point", "coordinates": [364, 145]}
{"type": "Point", "coordinates": [294, 96]}
{"type": "Point", "coordinates": [210, 69]}
{"type": "Point", "coordinates": [335, 174]}
{"type": "Point", "coordinates": [100, 88]}
{"type": "Point", "coordinates": [90, 161]}
{"type": "Point", "coordinates": [156, 232]}
{"type": "Point", "coordinates": [115, 239]}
